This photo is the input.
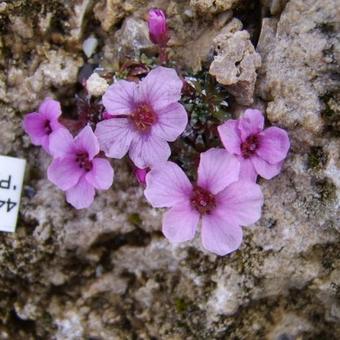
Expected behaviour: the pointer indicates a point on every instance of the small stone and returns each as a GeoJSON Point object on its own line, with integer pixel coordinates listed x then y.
{"type": "Point", "coordinates": [90, 45]}
{"type": "Point", "coordinates": [3, 7]}
{"type": "Point", "coordinates": [96, 85]}
{"type": "Point", "coordinates": [236, 64]}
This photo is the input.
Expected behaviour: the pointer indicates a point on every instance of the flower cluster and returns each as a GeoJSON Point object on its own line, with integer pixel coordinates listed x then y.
{"type": "Point", "coordinates": [139, 117]}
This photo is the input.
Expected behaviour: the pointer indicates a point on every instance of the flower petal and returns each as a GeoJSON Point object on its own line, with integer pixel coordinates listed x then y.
{"type": "Point", "coordinates": [220, 236]}
{"type": "Point", "coordinates": [45, 143]}
{"type": "Point", "coordinates": [87, 141]}
{"type": "Point", "coordinates": [251, 123]}
{"type": "Point", "coordinates": [217, 169]}
{"type": "Point", "coordinates": [180, 223]}
{"type": "Point", "coordinates": [34, 126]}
{"type": "Point", "coordinates": [160, 87]}
{"type": "Point", "coordinates": [81, 195]}
{"type": "Point", "coordinates": [51, 108]}
{"type": "Point", "coordinates": [273, 145]}
{"type": "Point", "coordinates": [167, 185]}
{"type": "Point", "coordinates": [64, 172]}
{"type": "Point", "coordinates": [101, 175]}
{"type": "Point", "coordinates": [240, 203]}
{"type": "Point", "coordinates": [61, 143]}
{"type": "Point", "coordinates": [247, 170]}
{"type": "Point", "coordinates": [265, 169]}
{"type": "Point", "coordinates": [115, 136]}
{"type": "Point", "coordinates": [172, 121]}
{"type": "Point", "coordinates": [230, 136]}
{"type": "Point", "coordinates": [148, 150]}
{"type": "Point", "coordinates": [119, 97]}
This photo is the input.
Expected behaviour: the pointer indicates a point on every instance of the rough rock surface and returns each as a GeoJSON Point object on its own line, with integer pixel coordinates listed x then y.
{"type": "Point", "coordinates": [107, 272]}
{"type": "Point", "coordinates": [213, 6]}
{"type": "Point", "coordinates": [275, 7]}
{"type": "Point", "coordinates": [300, 61]}
{"type": "Point", "coordinates": [236, 63]}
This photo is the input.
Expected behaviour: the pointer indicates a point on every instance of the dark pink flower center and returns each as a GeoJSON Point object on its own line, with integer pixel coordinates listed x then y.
{"type": "Point", "coordinates": [249, 146]}
{"type": "Point", "coordinates": [202, 200]}
{"type": "Point", "coordinates": [47, 127]}
{"type": "Point", "coordinates": [143, 117]}
{"type": "Point", "coordinates": [82, 158]}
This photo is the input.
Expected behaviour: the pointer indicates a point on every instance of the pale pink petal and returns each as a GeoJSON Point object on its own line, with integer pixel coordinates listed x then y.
{"type": "Point", "coordinates": [230, 136]}
{"type": "Point", "coordinates": [180, 223]}
{"type": "Point", "coordinates": [217, 169]}
{"type": "Point", "coordinates": [273, 145]}
{"type": "Point", "coordinates": [101, 175]}
{"type": "Point", "coordinates": [45, 143]}
{"type": "Point", "coordinates": [64, 172]}
{"type": "Point", "coordinates": [240, 203]}
{"type": "Point", "coordinates": [251, 123]}
{"type": "Point", "coordinates": [51, 108]}
{"type": "Point", "coordinates": [81, 195]}
{"type": "Point", "coordinates": [61, 143]}
{"type": "Point", "coordinates": [115, 136]}
{"type": "Point", "coordinates": [34, 126]}
{"type": "Point", "coordinates": [265, 169]}
{"type": "Point", "coordinates": [219, 235]}
{"type": "Point", "coordinates": [119, 97]}
{"type": "Point", "coordinates": [148, 150]}
{"type": "Point", "coordinates": [167, 185]}
{"type": "Point", "coordinates": [160, 87]}
{"type": "Point", "coordinates": [87, 141]}
{"type": "Point", "coordinates": [247, 170]}
{"type": "Point", "coordinates": [171, 122]}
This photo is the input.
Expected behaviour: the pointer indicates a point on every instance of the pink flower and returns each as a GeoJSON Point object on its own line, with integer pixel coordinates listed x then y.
{"type": "Point", "coordinates": [158, 29]}
{"type": "Point", "coordinates": [40, 125]}
{"type": "Point", "coordinates": [146, 116]}
{"type": "Point", "coordinates": [75, 169]}
{"type": "Point", "coordinates": [260, 151]}
{"type": "Point", "coordinates": [221, 201]}
{"type": "Point", "coordinates": [141, 174]}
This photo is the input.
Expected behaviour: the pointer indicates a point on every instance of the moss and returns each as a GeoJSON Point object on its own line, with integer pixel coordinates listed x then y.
{"type": "Point", "coordinates": [326, 27]}
{"type": "Point", "coordinates": [316, 158]}
{"type": "Point", "coordinates": [181, 305]}
{"type": "Point", "coordinates": [135, 219]}
{"type": "Point", "coordinates": [331, 112]}
{"type": "Point", "coordinates": [326, 190]}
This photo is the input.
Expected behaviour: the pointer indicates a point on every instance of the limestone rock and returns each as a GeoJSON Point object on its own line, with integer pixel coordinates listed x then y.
{"type": "Point", "coordinates": [107, 272]}
{"type": "Point", "coordinates": [213, 6]}
{"type": "Point", "coordinates": [129, 41]}
{"type": "Point", "coordinates": [275, 6]}
{"type": "Point", "coordinates": [235, 65]}
{"type": "Point", "coordinates": [299, 57]}
{"type": "Point", "coordinates": [25, 88]}
{"type": "Point", "coordinates": [109, 12]}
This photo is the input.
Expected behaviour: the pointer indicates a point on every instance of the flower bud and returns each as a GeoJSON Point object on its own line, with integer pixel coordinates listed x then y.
{"type": "Point", "coordinates": [158, 29]}
{"type": "Point", "coordinates": [141, 174]}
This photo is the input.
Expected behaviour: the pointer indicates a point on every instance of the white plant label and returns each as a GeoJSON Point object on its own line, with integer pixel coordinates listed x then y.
{"type": "Point", "coordinates": [12, 172]}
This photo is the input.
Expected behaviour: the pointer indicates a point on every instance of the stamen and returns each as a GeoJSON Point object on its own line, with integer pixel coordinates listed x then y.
{"type": "Point", "coordinates": [143, 117]}
{"type": "Point", "coordinates": [83, 161]}
{"type": "Point", "coordinates": [202, 200]}
{"type": "Point", "coordinates": [249, 147]}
